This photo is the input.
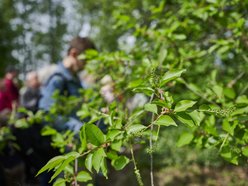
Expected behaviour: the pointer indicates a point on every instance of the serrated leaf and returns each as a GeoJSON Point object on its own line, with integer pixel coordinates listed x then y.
{"type": "Point", "coordinates": [52, 163]}
{"type": "Point", "coordinates": [184, 105]}
{"type": "Point", "coordinates": [165, 120]}
{"type": "Point", "coordinates": [98, 158]}
{"type": "Point", "coordinates": [171, 75]}
{"type": "Point", "coordinates": [88, 162]}
{"type": "Point", "coordinates": [83, 176]}
{"type": "Point", "coordinates": [132, 129]}
{"type": "Point", "coordinates": [151, 108]}
{"type": "Point", "coordinates": [120, 162]}
{"type": "Point", "coordinates": [185, 139]}
{"type": "Point", "coordinates": [94, 135]}
{"type": "Point", "coordinates": [185, 119]}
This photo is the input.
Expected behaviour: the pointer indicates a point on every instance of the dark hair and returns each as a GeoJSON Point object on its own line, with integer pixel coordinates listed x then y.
{"type": "Point", "coordinates": [81, 44]}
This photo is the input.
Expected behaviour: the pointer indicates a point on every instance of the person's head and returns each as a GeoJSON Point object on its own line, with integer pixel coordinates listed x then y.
{"type": "Point", "coordinates": [11, 72]}
{"type": "Point", "coordinates": [78, 45]}
{"type": "Point", "coordinates": [32, 80]}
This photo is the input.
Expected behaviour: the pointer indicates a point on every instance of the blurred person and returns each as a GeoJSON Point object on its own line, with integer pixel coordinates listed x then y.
{"type": "Point", "coordinates": [66, 81]}
{"type": "Point", "coordinates": [45, 72]}
{"type": "Point", "coordinates": [30, 94]}
{"type": "Point", "coordinates": [11, 87]}
{"type": "Point", "coordinates": [11, 166]}
{"type": "Point", "coordinates": [5, 109]}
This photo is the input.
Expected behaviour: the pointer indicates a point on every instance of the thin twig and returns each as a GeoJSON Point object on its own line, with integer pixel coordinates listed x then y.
{"type": "Point", "coordinates": [151, 147]}
{"type": "Point", "coordinates": [76, 171]}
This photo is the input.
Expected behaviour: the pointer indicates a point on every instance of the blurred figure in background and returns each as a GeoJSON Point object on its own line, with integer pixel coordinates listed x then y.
{"type": "Point", "coordinates": [4, 106]}
{"type": "Point", "coordinates": [66, 81]}
{"type": "Point", "coordinates": [11, 87]}
{"type": "Point", "coordinates": [30, 94]}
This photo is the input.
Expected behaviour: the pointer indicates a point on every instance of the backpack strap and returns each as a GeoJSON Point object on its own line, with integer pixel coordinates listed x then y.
{"type": "Point", "coordinates": [64, 90]}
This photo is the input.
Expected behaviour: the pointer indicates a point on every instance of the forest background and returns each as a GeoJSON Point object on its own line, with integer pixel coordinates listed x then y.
{"type": "Point", "coordinates": [189, 57]}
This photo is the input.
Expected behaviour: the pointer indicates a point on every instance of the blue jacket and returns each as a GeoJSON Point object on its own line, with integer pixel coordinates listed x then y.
{"type": "Point", "coordinates": [65, 82]}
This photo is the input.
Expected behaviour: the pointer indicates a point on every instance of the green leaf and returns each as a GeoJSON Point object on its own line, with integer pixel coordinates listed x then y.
{"type": "Point", "coordinates": [62, 166]}
{"type": "Point", "coordinates": [196, 116]}
{"type": "Point", "coordinates": [132, 129]}
{"type": "Point", "coordinates": [229, 155]}
{"type": "Point", "coordinates": [83, 176]}
{"type": "Point", "coordinates": [88, 162]}
{"type": "Point", "coordinates": [240, 111]}
{"type": "Point", "coordinates": [120, 162]}
{"type": "Point", "coordinates": [229, 93]}
{"type": "Point", "coordinates": [112, 134]}
{"type": "Point", "coordinates": [116, 145]}
{"type": "Point", "coordinates": [184, 105]}
{"type": "Point", "coordinates": [204, 107]}
{"type": "Point", "coordinates": [171, 75]}
{"type": "Point", "coordinates": [94, 134]}
{"type": "Point", "coordinates": [60, 182]}
{"type": "Point", "coordinates": [52, 163]}
{"type": "Point", "coordinates": [185, 119]}
{"type": "Point", "coordinates": [218, 90]}
{"type": "Point", "coordinates": [245, 151]}
{"type": "Point", "coordinates": [146, 90]}
{"type": "Point", "coordinates": [104, 168]}
{"type": "Point", "coordinates": [98, 158]}
{"type": "Point", "coordinates": [179, 36]}
{"type": "Point", "coordinates": [47, 131]}
{"type": "Point", "coordinates": [135, 83]}
{"type": "Point", "coordinates": [185, 139]}
{"type": "Point", "coordinates": [83, 139]}
{"type": "Point", "coordinates": [165, 120]}
{"type": "Point", "coordinates": [72, 154]}
{"type": "Point", "coordinates": [242, 100]}
{"type": "Point", "coordinates": [227, 127]}
{"type": "Point", "coordinates": [162, 54]}
{"type": "Point", "coordinates": [161, 103]}
{"type": "Point", "coordinates": [151, 108]}
{"type": "Point", "coordinates": [112, 155]}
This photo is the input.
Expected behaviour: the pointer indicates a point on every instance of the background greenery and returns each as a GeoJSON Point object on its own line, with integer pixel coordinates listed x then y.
{"type": "Point", "coordinates": [189, 58]}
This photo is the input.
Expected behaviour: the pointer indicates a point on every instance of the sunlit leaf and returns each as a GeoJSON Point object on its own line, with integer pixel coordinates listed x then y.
{"type": "Point", "coordinates": [83, 176]}
{"type": "Point", "coordinates": [165, 120]}
{"type": "Point", "coordinates": [184, 105]}
{"type": "Point", "coordinates": [120, 162]}
{"type": "Point", "coordinates": [185, 139]}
